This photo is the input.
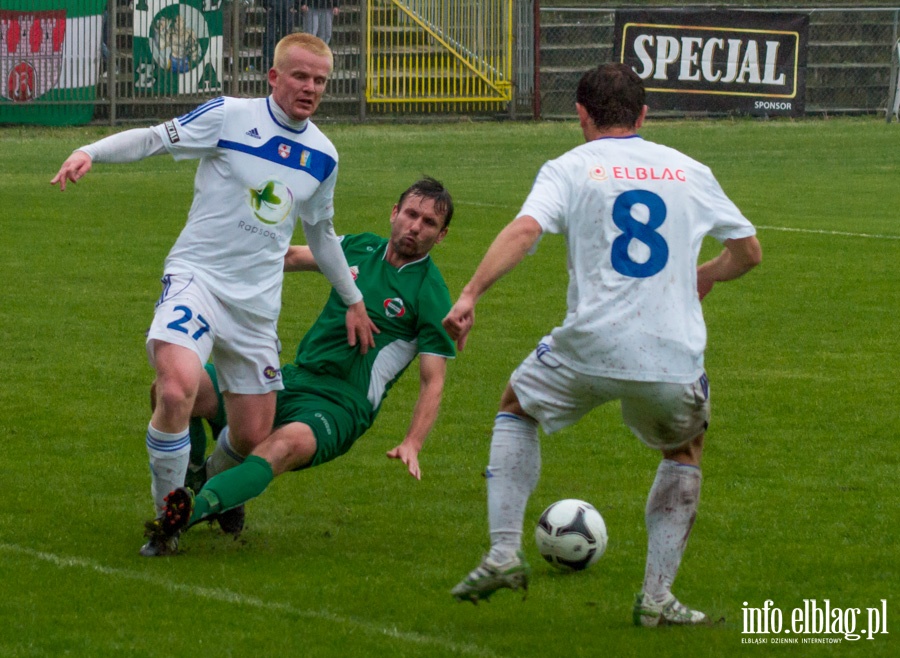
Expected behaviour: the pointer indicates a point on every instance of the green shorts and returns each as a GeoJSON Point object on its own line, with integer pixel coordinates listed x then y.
{"type": "Point", "coordinates": [334, 412]}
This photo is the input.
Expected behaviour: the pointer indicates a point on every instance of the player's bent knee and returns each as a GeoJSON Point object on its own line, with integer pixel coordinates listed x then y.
{"type": "Point", "coordinates": [689, 453]}
{"type": "Point", "coordinates": [172, 398]}
{"type": "Point", "coordinates": [290, 447]}
{"type": "Point", "coordinates": [509, 403]}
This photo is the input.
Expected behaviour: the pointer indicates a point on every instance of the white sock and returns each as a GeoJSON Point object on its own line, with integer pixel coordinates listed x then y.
{"type": "Point", "coordinates": [512, 474]}
{"type": "Point", "coordinates": [223, 456]}
{"type": "Point", "coordinates": [671, 510]}
{"type": "Point", "coordinates": [169, 455]}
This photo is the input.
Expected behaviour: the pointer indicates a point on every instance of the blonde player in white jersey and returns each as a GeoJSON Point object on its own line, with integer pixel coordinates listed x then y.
{"type": "Point", "coordinates": [634, 215]}
{"type": "Point", "coordinates": [263, 165]}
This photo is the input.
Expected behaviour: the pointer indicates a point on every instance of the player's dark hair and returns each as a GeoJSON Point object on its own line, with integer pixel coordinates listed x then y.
{"type": "Point", "coordinates": [430, 188]}
{"type": "Point", "coordinates": [613, 95]}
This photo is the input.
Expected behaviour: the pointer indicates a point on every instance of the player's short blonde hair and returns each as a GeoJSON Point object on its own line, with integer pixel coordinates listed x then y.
{"type": "Point", "coordinates": [305, 41]}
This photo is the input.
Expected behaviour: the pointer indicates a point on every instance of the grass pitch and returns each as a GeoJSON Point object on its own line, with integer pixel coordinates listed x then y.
{"type": "Point", "coordinates": [355, 558]}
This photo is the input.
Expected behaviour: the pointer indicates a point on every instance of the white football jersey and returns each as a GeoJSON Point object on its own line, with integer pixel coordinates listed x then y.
{"type": "Point", "coordinates": [634, 215]}
{"type": "Point", "coordinates": [257, 175]}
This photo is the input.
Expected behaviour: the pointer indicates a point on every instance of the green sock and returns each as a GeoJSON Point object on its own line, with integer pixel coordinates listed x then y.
{"type": "Point", "coordinates": [232, 487]}
{"type": "Point", "coordinates": [198, 441]}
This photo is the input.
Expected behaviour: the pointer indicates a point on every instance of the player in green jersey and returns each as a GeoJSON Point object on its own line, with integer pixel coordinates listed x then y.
{"type": "Point", "coordinates": [332, 392]}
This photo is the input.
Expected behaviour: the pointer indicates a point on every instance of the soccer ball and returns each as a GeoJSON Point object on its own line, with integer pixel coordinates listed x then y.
{"type": "Point", "coordinates": [571, 535]}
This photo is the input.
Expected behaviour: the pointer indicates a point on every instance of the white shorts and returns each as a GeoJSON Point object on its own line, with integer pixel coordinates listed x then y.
{"type": "Point", "coordinates": [662, 415]}
{"type": "Point", "coordinates": [244, 346]}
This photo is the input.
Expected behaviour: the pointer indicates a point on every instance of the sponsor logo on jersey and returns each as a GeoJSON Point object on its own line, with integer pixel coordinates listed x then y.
{"type": "Point", "coordinates": [394, 308]}
{"type": "Point", "coordinates": [324, 422]}
{"type": "Point", "coordinates": [271, 201]}
{"type": "Point", "coordinates": [253, 133]}
{"type": "Point", "coordinates": [271, 372]}
{"type": "Point", "coordinates": [648, 173]}
{"type": "Point", "coordinates": [598, 173]}
{"type": "Point", "coordinates": [354, 271]}
{"type": "Point", "coordinates": [284, 150]}
{"type": "Point", "coordinates": [172, 132]}
{"type": "Point", "coordinates": [304, 157]}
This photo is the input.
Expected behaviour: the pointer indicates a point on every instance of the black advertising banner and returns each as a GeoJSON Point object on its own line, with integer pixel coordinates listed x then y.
{"type": "Point", "coordinates": [717, 61]}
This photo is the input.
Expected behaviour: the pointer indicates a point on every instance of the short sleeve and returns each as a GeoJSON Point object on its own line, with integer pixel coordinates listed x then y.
{"type": "Point", "coordinates": [434, 304]}
{"type": "Point", "coordinates": [548, 198]}
{"type": "Point", "coordinates": [728, 221]}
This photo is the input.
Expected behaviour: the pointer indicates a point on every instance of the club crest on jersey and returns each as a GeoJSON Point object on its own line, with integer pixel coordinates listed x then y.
{"type": "Point", "coordinates": [394, 308]}
{"type": "Point", "coordinates": [284, 150]}
{"type": "Point", "coordinates": [271, 201]}
{"type": "Point", "coordinates": [354, 272]}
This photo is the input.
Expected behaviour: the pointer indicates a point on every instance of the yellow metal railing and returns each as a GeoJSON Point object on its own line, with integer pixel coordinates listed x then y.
{"type": "Point", "coordinates": [439, 55]}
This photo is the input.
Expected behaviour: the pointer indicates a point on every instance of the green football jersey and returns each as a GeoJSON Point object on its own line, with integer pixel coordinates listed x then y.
{"type": "Point", "coordinates": [406, 304]}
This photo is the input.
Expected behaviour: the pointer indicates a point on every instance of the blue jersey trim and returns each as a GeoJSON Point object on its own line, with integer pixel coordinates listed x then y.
{"type": "Point", "coordinates": [317, 164]}
{"type": "Point", "coordinates": [634, 136]}
{"type": "Point", "coordinates": [201, 110]}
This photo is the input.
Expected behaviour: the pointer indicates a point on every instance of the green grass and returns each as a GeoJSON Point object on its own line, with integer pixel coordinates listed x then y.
{"type": "Point", "coordinates": [356, 558]}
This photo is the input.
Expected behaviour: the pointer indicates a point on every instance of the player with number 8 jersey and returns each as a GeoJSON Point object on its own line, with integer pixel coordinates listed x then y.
{"type": "Point", "coordinates": [634, 214]}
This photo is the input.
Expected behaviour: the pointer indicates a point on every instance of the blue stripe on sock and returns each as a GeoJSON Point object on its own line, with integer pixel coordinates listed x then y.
{"type": "Point", "coordinates": [169, 446]}
{"type": "Point", "coordinates": [507, 415]}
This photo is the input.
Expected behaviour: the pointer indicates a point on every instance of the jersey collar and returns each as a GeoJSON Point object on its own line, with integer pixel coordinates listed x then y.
{"type": "Point", "coordinates": [632, 136]}
{"type": "Point", "coordinates": [283, 120]}
{"type": "Point", "coordinates": [400, 269]}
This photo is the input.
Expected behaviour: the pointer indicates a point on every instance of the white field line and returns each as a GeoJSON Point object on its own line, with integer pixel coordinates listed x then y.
{"type": "Point", "coordinates": [227, 596]}
{"type": "Point", "coordinates": [847, 234]}
{"type": "Point", "coordinates": [823, 232]}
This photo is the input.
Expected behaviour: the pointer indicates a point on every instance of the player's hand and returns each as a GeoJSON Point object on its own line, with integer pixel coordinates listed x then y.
{"type": "Point", "coordinates": [360, 328]}
{"type": "Point", "coordinates": [75, 166]}
{"type": "Point", "coordinates": [459, 321]}
{"type": "Point", "coordinates": [409, 456]}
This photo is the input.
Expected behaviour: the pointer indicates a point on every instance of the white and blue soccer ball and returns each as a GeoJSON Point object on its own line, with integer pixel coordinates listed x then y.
{"type": "Point", "coordinates": [571, 535]}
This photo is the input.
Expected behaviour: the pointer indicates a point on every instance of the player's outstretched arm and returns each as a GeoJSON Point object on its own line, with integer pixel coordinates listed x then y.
{"type": "Point", "coordinates": [739, 257]}
{"type": "Point", "coordinates": [127, 146]}
{"type": "Point", "coordinates": [75, 166]}
{"type": "Point", "coordinates": [506, 251]}
{"type": "Point", "coordinates": [432, 373]}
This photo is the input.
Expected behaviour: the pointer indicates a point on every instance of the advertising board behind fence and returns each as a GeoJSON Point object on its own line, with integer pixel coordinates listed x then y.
{"type": "Point", "coordinates": [717, 61]}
